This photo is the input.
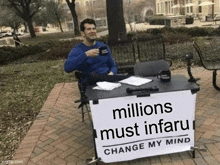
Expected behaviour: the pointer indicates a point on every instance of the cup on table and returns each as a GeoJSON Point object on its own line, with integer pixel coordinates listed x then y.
{"type": "Point", "coordinates": [164, 75]}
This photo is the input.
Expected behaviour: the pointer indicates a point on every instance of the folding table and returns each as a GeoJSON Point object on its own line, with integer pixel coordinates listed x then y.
{"type": "Point", "coordinates": [132, 122]}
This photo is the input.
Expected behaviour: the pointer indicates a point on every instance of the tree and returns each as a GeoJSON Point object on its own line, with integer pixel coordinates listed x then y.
{"type": "Point", "coordinates": [40, 18]}
{"type": "Point", "coordinates": [115, 17]}
{"type": "Point", "coordinates": [72, 7]}
{"type": "Point", "coordinates": [128, 10]}
{"type": "Point", "coordinates": [26, 9]}
{"type": "Point", "coordinates": [9, 18]}
{"type": "Point", "coordinates": [55, 13]}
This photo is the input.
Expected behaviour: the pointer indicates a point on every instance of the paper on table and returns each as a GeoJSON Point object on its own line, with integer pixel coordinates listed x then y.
{"type": "Point", "coordinates": [107, 85]}
{"type": "Point", "coordinates": [137, 81]}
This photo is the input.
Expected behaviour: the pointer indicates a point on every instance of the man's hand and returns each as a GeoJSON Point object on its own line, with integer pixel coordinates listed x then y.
{"type": "Point", "coordinates": [111, 73]}
{"type": "Point", "coordinates": [92, 53]}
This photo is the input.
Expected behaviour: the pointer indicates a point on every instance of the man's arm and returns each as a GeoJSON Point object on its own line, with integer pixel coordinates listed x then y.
{"type": "Point", "coordinates": [74, 60]}
{"type": "Point", "coordinates": [78, 57]}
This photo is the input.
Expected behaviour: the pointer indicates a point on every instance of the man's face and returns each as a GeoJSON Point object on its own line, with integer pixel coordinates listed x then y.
{"type": "Point", "coordinates": [90, 32]}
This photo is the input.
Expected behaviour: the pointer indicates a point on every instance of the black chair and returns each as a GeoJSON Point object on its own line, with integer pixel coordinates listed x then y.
{"type": "Point", "coordinates": [123, 52]}
{"type": "Point", "coordinates": [210, 62]}
{"type": "Point", "coordinates": [92, 81]}
{"type": "Point", "coordinates": [151, 48]}
{"type": "Point", "coordinates": [151, 68]}
{"type": "Point", "coordinates": [83, 99]}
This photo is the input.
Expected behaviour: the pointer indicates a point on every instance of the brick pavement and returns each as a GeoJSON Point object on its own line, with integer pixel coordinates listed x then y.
{"type": "Point", "coordinates": [58, 137]}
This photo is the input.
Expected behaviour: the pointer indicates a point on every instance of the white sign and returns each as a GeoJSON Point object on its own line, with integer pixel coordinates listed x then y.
{"type": "Point", "coordinates": [133, 127]}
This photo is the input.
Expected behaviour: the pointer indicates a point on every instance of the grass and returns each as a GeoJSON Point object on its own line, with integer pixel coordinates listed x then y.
{"type": "Point", "coordinates": [24, 88]}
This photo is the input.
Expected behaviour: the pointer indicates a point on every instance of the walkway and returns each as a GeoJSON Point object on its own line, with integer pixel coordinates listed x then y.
{"type": "Point", "coordinates": [58, 137]}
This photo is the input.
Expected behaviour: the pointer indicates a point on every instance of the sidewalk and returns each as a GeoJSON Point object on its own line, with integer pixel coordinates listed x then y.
{"type": "Point", "coordinates": [59, 137]}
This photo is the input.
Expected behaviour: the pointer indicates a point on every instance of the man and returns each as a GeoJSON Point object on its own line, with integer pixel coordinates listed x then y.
{"type": "Point", "coordinates": [16, 40]}
{"type": "Point", "coordinates": [91, 56]}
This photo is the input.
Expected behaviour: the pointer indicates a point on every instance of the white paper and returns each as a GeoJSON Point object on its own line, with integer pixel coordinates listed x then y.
{"type": "Point", "coordinates": [106, 85]}
{"type": "Point", "coordinates": [137, 81]}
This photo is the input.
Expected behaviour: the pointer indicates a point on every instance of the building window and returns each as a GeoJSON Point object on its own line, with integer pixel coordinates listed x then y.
{"type": "Point", "coordinates": [158, 8]}
{"type": "Point", "coordinates": [171, 6]}
{"type": "Point", "coordinates": [162, 7]}
{"type": "Point", "coordinates": [200, 7]}
{"type": "Point", "coordinates": [169, 11]}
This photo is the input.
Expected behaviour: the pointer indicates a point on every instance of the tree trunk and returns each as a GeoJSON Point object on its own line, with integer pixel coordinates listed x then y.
{"type": "Point", "coordinates": [61, 29]}
{"type": "Point", "coordinates": [31, 28]}
{"type": "Point", "coordinates": [25, 27]}
{"type": "Point", "coordinates": [71, 6]}
{"type": "Point", "coordinates": [115, 17]}
{"type": "Point", "coordinates": [75, 21]}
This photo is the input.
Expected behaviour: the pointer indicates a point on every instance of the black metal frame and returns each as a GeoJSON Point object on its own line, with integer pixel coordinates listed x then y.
{"type": "Point", "coordinates": [123, 52]}
{"type": "Point", "coordinates": [208, 65]}
{"type": "Point", "coordinates": [152, 48]}
{"type": "Point", "coordinates": [127, 53]}
{"type": "Point", "coordinates": [83, 99]}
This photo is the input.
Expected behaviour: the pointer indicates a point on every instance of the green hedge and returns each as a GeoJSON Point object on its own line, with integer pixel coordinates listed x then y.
{"type": "Point", "coordinates": [189, 20]}
{"type": "Point", "coordinates": [8, 54]}
{"type": "Point", "coordinates": [193, 32]}
{"type": "Point", "coordinates": [157, 21]}
{"type": "Point", "coordinates": [50, 50]}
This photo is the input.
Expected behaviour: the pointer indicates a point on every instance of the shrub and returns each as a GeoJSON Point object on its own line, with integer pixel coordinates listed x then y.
{"type": "Point", "coordinates": [184, 30]}
{"type": "Point", "coordinates": [156, 21]}
{"type": "Point", "coordinates": [4, 56]}
{"type": "Point", "coordinates": [189, 20]}
{"type": "Point", "coordinates": [216, 31]}
{"type": "Point", "coordinates": [9, 54]}
{"type": "Point", "coordinates": [154, 31]}
{"type": "Point", "coordinates": [47, 50]}
{"type": "Point", "coordinates": [58, 52]}
{"type": "Point", "coordinates": [193, 32]}
{"type": "Point", "coordinates": [175, 38]}
{"type": "Point", "coordinates": [198, 31]}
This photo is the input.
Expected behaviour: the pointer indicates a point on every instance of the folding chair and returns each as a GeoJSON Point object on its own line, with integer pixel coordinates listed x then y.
{"type": "Point", "coordinates": [151, 68]}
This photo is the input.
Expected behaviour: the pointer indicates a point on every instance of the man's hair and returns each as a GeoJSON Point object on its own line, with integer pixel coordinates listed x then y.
{"type": "Point", "coordinates": [87, 20]}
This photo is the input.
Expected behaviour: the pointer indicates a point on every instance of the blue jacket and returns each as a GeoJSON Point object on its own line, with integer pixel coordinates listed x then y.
{"type": "Point", "coordinates": [101, 65]}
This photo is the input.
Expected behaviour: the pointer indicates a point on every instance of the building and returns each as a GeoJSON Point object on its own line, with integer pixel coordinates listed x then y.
{"type": "Point", "coordinates": [138, 10]}
{"type": "Point", "coordinates": [202, 9]}
{"type": "Point", "coordinates": [134, 11]}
